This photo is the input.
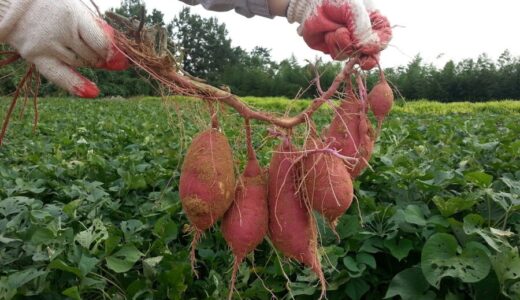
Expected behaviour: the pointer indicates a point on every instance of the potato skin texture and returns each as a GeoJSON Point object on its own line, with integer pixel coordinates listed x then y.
{"type": "Point", "coordinates": [328, 184]}
{"type": "Point", "coordinates": [344, 129]}
{"type": "Point", "coordinates": [244, 225]}
{"type": "Point", "coordinates": [381, 99]}
{"type": "Point", "coordinates": [207, 182]}
{"type": "Point", "coordinates": [352, 134]}
{"type": "Point", "coordinates": [291, 226]}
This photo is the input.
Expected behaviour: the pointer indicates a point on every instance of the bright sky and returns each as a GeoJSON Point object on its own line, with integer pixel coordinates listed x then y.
{"type": "Point", "coordinates": [439, 30]}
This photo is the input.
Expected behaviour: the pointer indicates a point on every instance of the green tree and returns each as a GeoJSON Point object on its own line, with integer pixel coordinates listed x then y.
{"type": "Point", "coordinates": [204, 44]}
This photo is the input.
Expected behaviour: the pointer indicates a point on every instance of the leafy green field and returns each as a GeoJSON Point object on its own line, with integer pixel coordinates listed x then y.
{"type": "Point", "coordinates": [89, 207]}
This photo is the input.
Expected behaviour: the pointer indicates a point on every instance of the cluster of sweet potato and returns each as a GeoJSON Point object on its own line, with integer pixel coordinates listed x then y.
{"type": "Point", "coordinates": [279, 204]}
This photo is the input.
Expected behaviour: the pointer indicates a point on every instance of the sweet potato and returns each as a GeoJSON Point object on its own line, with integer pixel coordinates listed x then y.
{"type": "Point", "coordinates": [381, 99]}
{"type": "Point", "coordinates": [366, 146]}
{"type": "Point", "coordinates": [351, 133]}
{"type": "Point", "coordinates": [327, 182]}
{"type": "Point", "coordinates": [207, 182]}
{"type": "Point", "coordinates": [344, 130]}
{"type": "Point", "coordinates": [292, 228]}
{"type": "Point", "coordinates": [244, 225]}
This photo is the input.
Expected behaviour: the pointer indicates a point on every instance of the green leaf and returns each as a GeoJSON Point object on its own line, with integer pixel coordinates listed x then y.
{"type": "Point", "coordinates": [373, 245]}
{"type": "Point", "coordinates": [41, 216]}
{"type": "Point", "coordinates": [71, 207]}
{"type": "Point", "coordinates": [42, 236]}
{"type": "Point", "coordinates": [367, 259]}
{"type": "Point", "coordinates": [206, 253]}
{"type": "Point", "coordinates": [6, 292]}
{"type": "Point", "coordinates": [58, 264]}
{"type": "Point", "coordinates": [150, 264]}
{"type": "Point", "coordinates": [356, 288]}
{"type": "Point", "coordinates": [19, 279]}
{"type": "Point", "coordinates": [355, 269]}
{"type": "Point", "coordinates": [166, 229]}
{"type": "Point", "coordinates": [414, 215]}
{"type": "Point", "coordinates": [72, 293]}
{"type": "Point", "coordinates": [351, 264]}
{"type": "Point", "coordinates": [5, 240]}
{"type": "Point", "coordinates": [515, 147]}
{"type": "Point", "coordinates": [507, 265]}
{"type": "Point", "coordinates": [123, 260]}
{"type": "Point", "coordinates": [487, 289]}
{"type": "Point", "coordinates": [410, 284]}
{"type": "Point", "coordinates": [334, 253]}
{"type": "Point", "coordinates": [399, 248]}
{"type": "Point", "coordinates": [480, 179]}
{"type": "Point", "coordinates": [93, 236]}
{"type": "Point", "coordinates": [14, 205]}
{"type": "Point", "coordinates": [131, 227]}
{"type": "Point", "coordinates": [440, 259]}
{"type": "Point", "coordinates": [87, 264]}
{"type": "Point", "coordinates": [302, 288]}
{"type": "Point", "coordinates": [348, 226]}
{"type": "Point", "coordinates": [472, 225]}
{"type": "Point", "coordinates": [488, 146]}
{"type": "Point", "coordinates": [111, 243]}
{"type": "Point", "coordinates": [514, 290]}
{"type": "Point", "coordinates": [449, 207]}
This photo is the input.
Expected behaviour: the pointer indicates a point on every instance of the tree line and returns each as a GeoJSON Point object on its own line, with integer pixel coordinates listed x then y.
{"type": "Point", "coordinates": [205, 50]}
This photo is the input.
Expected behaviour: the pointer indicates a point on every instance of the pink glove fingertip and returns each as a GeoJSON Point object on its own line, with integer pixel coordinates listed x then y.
{"type": "Point", "coordinates": [382, 27]}
{"type": "Point", "coordinates": [87, 90]}
{"type": "Point", "coordinates": [116, 59]}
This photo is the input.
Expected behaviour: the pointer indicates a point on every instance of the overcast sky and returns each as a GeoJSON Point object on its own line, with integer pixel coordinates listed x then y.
{"type": "Point", "coordinates": [438, 30]}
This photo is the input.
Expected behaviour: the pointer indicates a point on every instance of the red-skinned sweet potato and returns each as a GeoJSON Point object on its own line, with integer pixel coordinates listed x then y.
{"type": "Point", "coordinates": [381, 99]}
{"type": "Point", "coordinates": [207, 183]}
{"type": "Point", "coordinates": [292, 228]}
{"type": "Point", "coordinates": [366, 146]}
{"type": "Point", "coordinates": [343, 132]}
{"type": "Point", "coordinates": [351, 133]}
{"type": "Point", "coordinates": [328, 184]}
{"type": "Point", "coordinates": [244, 225]}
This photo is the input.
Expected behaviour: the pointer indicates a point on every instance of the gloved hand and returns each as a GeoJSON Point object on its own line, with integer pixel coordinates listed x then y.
{"type": "Point", "coordinates": [57, 36]}
{"type": "Point", "coordinates": [342, 28]}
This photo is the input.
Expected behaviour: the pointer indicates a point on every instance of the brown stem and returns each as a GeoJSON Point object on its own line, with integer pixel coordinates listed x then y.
{"type": "Point", "coordinates": [168, 73]}
{"type": "Point", "coordinates": [213, 114]}
{"type": "Point", "coordinates": [192, 88]}
{"type": "Point", "coordinates": [25, 100]}
{"type": "Point", "coordinates": [14, 57]}
{"type": "Point", "coordinates": [36, 91]}
{"type": "Point", "coordinates": [13, 103]}
{"type": "Point", "coordinates": [317, 80]}
{"type": "Point", "coordinates": [251, 155]}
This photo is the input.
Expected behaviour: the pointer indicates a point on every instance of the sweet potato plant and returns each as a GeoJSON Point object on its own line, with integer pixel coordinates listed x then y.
{"type": "Point", "coordinates": [123, 228]}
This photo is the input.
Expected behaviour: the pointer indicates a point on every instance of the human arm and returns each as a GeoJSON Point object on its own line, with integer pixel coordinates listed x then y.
{"type": "Point", "coordinates": [248, 8]}
{"type": "Point", "coordinates": [58, 36]}
{"type": "Point", "coordinates": [341, 28]}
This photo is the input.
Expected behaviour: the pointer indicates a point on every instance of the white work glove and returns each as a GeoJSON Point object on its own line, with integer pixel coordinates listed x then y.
{"type": "Point", "coordinates": [342, 28]}
{"type": "Point", "coordinates": [57, 36]}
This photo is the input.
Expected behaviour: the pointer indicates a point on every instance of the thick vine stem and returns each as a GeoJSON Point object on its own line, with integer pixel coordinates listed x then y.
{"type": "Point", "coordinates": [187, 86]}
{"type": "Point", "coordinates": [201, 90]}
{"type": "Point", "coordinates": [161, 64]}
